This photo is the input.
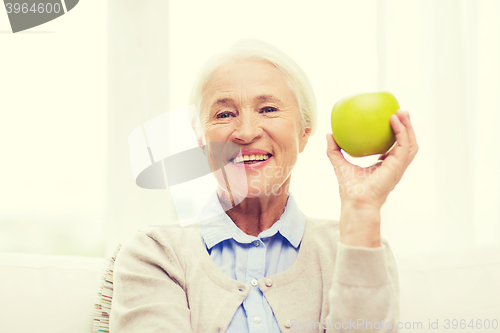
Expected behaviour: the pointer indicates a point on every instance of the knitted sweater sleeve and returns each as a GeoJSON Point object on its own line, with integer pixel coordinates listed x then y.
{"type": "Point", "coordinates": [364, 296]}
{"type": "Point", "coordinates": [145, 298]}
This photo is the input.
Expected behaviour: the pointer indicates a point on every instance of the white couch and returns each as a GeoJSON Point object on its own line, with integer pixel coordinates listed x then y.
{"type": "Point", "coordinates": [55, 294]}
{"type": "Point", "coordinates": [42, 294]}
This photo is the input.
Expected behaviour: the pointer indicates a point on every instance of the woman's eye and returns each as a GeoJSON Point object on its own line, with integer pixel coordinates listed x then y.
{"type": "Point", "coordinates": [269, 109]}
{"type": "Point", "coordinates": [224, 115]}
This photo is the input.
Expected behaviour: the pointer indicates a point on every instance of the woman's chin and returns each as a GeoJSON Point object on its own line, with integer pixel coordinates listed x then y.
{"type": "Point", "coordinates": [265, 190]}
{"type": "Point", "coordinates": [244, 187]}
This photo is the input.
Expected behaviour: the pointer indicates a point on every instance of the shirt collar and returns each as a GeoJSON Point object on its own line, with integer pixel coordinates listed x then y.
{"type": "Point", "coordinates": [216, 226]}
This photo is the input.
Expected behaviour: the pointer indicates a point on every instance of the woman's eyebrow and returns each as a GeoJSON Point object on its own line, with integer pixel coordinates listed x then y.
{"type": "Point", "coordinates": [222, 101]}
{"type": "Point", "coordinates": [266, 98]}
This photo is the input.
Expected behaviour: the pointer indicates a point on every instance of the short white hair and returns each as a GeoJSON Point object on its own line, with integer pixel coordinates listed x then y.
{"type": "Point", "coordinates": [254, 49]}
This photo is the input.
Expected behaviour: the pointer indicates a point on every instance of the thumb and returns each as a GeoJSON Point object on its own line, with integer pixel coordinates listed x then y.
{"type": "Point", "coordinates": [333, 151]}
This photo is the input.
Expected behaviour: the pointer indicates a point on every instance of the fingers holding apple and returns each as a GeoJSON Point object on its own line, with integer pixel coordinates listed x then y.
{"type": "Point", "coordinates": [406, 146]}
{"type": "Point", "coordinates": [412, 141]}
{"type": "Point", "coordinates": [334, 154]}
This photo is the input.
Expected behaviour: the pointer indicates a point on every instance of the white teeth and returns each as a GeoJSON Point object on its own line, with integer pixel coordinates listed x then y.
{"type": "Point", "coordinates": [239, 159]}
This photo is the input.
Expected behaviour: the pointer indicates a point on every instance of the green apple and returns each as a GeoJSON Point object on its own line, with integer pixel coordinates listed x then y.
{"type": "Point", "coordinates": [360, 123]}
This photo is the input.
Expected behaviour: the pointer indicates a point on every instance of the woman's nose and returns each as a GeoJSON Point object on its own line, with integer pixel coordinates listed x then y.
{"type": "Point", "coordinates": [248, 128]}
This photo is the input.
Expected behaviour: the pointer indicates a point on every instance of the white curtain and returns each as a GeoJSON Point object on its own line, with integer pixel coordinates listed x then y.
{"type": "Point", "coordinates": [442, 60]}
{"type": "Point", "coordinates": [137, 92]}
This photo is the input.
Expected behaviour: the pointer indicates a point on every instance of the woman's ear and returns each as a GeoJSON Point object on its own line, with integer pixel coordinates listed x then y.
{"type": "Point", "coordinates": [196, 127]}
{"type": "Point", "coordinates": [202, 146]}
{"type": "Point", "coordinates": [200, 138]}
{"type": "Point", "coordinates": [304, 138]}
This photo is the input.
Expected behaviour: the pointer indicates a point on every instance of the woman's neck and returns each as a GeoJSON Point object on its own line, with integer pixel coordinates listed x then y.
{"type": "Point", "coordinates": [256, 214]}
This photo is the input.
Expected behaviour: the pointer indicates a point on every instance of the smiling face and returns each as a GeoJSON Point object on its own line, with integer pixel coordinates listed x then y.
{"type": "Point", "coordinates": [249, 103]}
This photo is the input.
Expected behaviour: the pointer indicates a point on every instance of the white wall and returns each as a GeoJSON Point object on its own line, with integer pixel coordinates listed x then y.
{"type": "Point", "coordinates": [53, 128]}
{"type": "Point", "coordinates": [442, 59]}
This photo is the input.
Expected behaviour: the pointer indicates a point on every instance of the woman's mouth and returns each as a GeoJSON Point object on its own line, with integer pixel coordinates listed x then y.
{"type": "Point", "coordinates": [250, 159]}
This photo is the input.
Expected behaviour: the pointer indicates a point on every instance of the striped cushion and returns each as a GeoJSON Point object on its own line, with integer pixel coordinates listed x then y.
{"type": "Point", "coordinates": [102, 306]}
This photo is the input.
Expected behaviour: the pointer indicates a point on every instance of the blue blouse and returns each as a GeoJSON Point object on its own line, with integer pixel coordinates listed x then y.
{"type": "Point", "coordinates": [248, 258]}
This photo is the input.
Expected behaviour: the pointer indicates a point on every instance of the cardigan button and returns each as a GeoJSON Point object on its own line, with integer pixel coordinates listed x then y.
{"type": "Point", "coordinates": [288, 324]}
{"type": "Point", "coordinates": [269, 282]}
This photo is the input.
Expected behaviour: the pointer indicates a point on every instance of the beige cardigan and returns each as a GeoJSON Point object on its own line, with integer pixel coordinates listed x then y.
{"type": "Point", "coordinates": [165, 281]}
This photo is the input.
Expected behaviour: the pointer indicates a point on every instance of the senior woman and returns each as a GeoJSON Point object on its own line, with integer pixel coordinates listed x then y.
{"type": "Point", "coordinates": [255, 263]}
